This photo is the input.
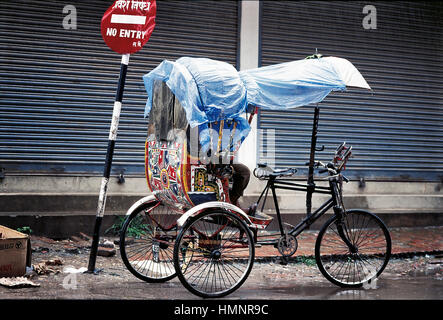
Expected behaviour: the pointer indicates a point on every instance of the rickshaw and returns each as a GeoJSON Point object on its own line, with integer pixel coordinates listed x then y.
{"type": "Point", "coordinates": [199, 112]}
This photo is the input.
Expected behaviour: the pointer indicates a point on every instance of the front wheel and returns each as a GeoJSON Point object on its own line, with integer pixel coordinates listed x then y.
{"type": "Point", "coordinates": [365, 255]}
{"type": "Point", "coordinates": [214, 254]}
{"type": "Point", "coordinates": [147, 242]}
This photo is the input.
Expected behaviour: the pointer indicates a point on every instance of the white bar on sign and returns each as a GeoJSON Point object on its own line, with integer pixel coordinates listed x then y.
{"type": "Point", "coordinates": [127, 18]}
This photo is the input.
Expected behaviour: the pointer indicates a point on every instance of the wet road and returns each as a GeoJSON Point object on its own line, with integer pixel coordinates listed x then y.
{"type": "Point", "coordinates": [419, 278]}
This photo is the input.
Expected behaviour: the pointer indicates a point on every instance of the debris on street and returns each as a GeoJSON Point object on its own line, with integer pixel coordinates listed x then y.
{"type": "Point", "coordinates": [14, 253]}
{"type": "Point", "coordinates": [42, 268]}
{"type": "Point", "coordinates": [61, 274]}
{"type": "Point", "coordinates": [106, 248]}
{"type": "Point", "coordinates": [71, 269]}
{"type": "Point", "coordinates": [18, 282]}
{"type": "Point", "coordinates": [54, 262]}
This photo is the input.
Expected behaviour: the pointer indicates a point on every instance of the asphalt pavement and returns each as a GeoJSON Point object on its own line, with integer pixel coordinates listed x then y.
{"type": "Point", "coordinates": [414, 272]}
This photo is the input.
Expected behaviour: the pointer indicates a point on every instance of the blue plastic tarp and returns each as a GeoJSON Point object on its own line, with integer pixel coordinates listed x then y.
{"type": "Point", "coordinates": [298, 83]}
{"type": "Point", "coordinates": [211, 90]}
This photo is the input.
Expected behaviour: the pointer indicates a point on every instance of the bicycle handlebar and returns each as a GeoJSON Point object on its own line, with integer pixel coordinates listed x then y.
{"type": "Point", "coordinates": [329, 167]}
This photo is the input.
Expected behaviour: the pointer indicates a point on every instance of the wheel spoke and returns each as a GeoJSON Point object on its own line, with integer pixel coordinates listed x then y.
{"type": "Point", "coordinates": [372, 242]}
{"type": "Point", "coordinates": [217, 262]}
{"type": "Point", "coordinates": [147, 242]}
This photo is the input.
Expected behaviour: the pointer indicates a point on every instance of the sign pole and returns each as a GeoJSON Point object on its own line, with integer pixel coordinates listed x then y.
{"type": "Point", "coordinates": [125, 27]}
{"type": "Point", "coordinates": [108, 164]}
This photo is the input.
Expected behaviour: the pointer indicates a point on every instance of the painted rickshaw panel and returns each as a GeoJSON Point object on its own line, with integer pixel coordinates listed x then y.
{"type": "Point", "coordinates": [171, 175]}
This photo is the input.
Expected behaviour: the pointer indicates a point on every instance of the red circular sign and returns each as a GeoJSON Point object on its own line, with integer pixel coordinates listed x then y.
{"type": "Point", "coordinates": [127, 24]}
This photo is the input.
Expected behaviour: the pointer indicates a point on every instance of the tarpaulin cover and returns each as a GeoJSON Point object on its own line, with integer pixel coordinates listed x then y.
{"type": "Point", "coordinates": [299, 83]}
{"type": "Point", "coordinates": [211, 90]}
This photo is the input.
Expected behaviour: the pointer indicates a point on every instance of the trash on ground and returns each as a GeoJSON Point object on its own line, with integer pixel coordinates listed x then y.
{"type": "Point", "coordinates": [18, 282]}
{"type": "Point", "coordinates": [105, 252]}
{"type": "Point", "coordinates": [54, 262]}
{"type": "Point", "coordinates": [15, 252]}
{"type": "Point", "coordinates": [106, 248]}
{"type": "Point", "coordinates": [107, 244]}
{"type": "Point", "coordinates": [42, 269]}
{"type": "Point", "coordinates": [85, 236]}
{"type": "Point", "coordinates": [71, 269]}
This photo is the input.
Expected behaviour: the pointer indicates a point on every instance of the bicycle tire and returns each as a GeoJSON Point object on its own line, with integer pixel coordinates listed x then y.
{"type": "Point", "coordinates": [214, 268]}
{"type": "Point", "coordinates": [367, 264]}
{"type": "Point", "coordinates": [145, 254]}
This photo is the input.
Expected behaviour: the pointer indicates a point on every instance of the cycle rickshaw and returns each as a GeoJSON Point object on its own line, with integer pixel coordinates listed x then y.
{"type": "Point", "coordinates": [199, 114]}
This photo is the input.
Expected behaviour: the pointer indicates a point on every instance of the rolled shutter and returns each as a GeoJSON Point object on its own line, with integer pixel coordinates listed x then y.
{"type": "Point", "coordinates": [396, 131]}
{"type": "Point", "coordinates": [57, 86]}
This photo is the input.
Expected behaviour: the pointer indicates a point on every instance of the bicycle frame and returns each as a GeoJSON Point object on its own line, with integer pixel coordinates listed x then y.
{"type": "Point", "coordinates": [274, 183]}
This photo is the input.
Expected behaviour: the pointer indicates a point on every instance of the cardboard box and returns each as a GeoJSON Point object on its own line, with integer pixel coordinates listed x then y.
{"type": "Point", "coordinates": [15, 252]}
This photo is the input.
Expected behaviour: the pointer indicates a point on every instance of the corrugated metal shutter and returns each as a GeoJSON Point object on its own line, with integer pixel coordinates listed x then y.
{"type": "Point", "coordinates": [397, 132]}
{"type": "Point", "coordinates": [57, 86]}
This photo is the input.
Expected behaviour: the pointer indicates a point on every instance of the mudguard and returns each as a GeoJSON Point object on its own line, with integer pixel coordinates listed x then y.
{"type": "Point", "coordinates": [211, 205]}
{"type": "Point", "coordinates": [140, 202]}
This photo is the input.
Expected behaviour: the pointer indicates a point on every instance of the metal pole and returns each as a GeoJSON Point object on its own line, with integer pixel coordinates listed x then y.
{"type": "Point", "coordinates": [311, 185]}
{"type": "Point", "coordinates": [108, 163]}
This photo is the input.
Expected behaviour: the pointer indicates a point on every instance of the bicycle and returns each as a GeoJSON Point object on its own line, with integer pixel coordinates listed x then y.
{"type": "Point", "coordinates": [352, 248]}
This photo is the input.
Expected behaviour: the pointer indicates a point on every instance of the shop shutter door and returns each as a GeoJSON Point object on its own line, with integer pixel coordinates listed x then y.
{"type": "Point", "coordinates": [57, 86]}
{"type": "Point", "coordinates": [397, 131]}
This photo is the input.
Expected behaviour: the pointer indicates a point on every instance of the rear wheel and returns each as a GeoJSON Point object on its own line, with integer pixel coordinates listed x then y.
{"type": "Point", "coordinates": [363, 259]}
{"type": "Point", "coordinates": [214, 254]}
{"type": "Point", "coordinates": [147, 242]}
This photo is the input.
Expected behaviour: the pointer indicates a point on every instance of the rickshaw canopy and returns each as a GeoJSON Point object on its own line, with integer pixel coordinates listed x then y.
{"type": "Point", "coordinates": [299, 83]}
{"type": "Point", "coordinates": [211, 90]}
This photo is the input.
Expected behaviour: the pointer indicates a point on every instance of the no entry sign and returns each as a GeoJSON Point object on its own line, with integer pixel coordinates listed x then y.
{"type": "Point", "coordinates": [127, 25]}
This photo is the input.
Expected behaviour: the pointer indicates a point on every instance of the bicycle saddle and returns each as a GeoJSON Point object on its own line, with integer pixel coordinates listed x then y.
{"type": "Point", "coordinates": [287, 172]}
{"type": "Point", "coordinates": [263, 171]}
